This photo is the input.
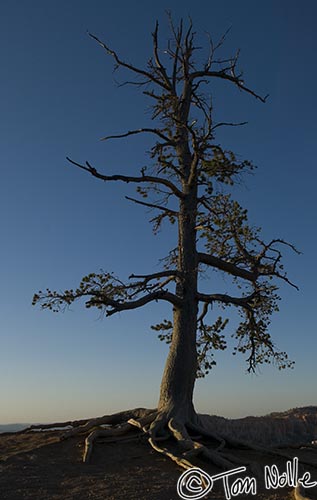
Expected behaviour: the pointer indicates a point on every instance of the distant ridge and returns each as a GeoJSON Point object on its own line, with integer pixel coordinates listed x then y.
{"type": "Point", "coordinates": [12, 427]}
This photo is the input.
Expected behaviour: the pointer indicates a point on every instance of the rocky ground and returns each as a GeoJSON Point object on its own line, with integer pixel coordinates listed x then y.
{"type": "Point", "coordinates": [38, 466]}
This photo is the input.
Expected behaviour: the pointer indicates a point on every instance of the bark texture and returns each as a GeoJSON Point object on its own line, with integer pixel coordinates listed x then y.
{"type": "Point", "coordinates": [179, 376]}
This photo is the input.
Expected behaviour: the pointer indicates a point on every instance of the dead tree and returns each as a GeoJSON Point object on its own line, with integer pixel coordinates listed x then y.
{"type": "Point", "coordinates": [187, 184]}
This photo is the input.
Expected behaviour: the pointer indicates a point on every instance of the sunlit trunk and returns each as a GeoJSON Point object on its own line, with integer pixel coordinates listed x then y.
{"type": "Point", "coordinates": [179, 376]}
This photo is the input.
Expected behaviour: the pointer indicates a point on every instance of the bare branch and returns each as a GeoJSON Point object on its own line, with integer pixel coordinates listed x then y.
{"type": "Point", "coordinates": [152, 94]}
{"type": "Point", "coordinates": [203, 313]}
{"type": "Point", "coordinates": [228, 267]}
{"type": "Point", "coordinates": [133, 83]}
{"type": "Point", "coordinates": [284, 278]}
{"type": "Point", "coordinates": [140, 131]}
{"type": "Point", "coordinates": [211, 53]}
{"type": "Point", "coordinates": [222, 39]}
{"type": "Point", "coordinates": [125, 178]}
{"type": "Point", "coordinates": [272, 242]}
{"type": "Point", "coordinates": [227, 299]}
{"type": "Point", "coordinates": [267, 270]}
{"type": "Point", "coordinates": [161, 274]}
{"type": "Point", "coordinates": [223, 74]}
{"type": "Point", "coordinates": [226, 124]}
{"type": "Point", "coordinates": [178, 35]}
{"type": "Point", "coordinates": [213, 48]}
{"type": "Point", "coordinates": [157, 59]}
{"type": "Point", "coordinates": [146, 299]}
{"type": "Point", "coordinates": [152, 205]}
{"type": "Point", "coordinates": [119, 62]}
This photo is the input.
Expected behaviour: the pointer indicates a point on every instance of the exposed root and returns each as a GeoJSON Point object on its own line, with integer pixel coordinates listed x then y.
{"type": "Point", "coordinates": [182, 462]}
{"type": "Point", "coordinates": [143, 423]}
{"type": "Point", "coordinates": [115, 419]}
{"type": "Point", "coordinates": [299, 493]}
{"type": "Point", "coordinates": [93, 436]}
{"type": "Point", "coordinates": [116, 431]}
{"type": "Point", "coordinates": [157, 426]}
{"type": "Point", "coordinates": [48, 427]}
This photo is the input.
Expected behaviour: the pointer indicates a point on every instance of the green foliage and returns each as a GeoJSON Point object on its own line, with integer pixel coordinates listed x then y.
{"type": "Point", "coordinates": [252, 335]}
{"type": "Point", "coordinates": [99, 290]}
{"type": "Point", "coordinates": [222, 166]}
{"type": "Point", "coordinates": [209, 339]}
{"type": "Point", "coordinates": [166, 327]}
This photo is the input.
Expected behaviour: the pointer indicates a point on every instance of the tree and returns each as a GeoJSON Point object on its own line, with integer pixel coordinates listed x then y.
{"type": "Point", "coordinates": [189, 184]}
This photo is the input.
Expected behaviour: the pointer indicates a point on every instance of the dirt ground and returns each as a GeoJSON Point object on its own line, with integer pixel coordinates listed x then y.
{"type": "Point", "coordinates": [38, 466]}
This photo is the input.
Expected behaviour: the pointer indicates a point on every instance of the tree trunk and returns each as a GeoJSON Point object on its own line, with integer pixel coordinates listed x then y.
{"type": "Point", "coordinates": [179, 376]}
{"type": "Point", "coordinates": [177, 386]}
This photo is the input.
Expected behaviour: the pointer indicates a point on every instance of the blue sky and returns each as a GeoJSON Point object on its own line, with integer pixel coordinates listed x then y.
{"type": "Point", "coordinates": [58, 97]}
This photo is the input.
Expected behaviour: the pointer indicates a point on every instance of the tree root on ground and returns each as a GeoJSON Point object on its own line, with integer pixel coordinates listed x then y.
{"type": "Point", "coordinates": [158, 426]}
{"type": "Point", "coordinates": [188, 436]}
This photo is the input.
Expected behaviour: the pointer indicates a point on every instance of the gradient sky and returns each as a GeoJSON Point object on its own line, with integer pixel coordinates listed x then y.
{"type": "Point", "coordinates": [58, 97]}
